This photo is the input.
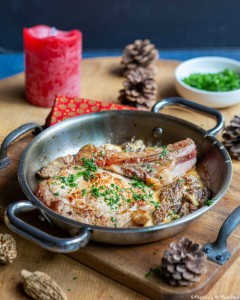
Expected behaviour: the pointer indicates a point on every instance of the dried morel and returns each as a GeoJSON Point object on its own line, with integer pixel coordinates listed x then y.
{"type": "Point", "coordinates": [231, 137]}
{"type": "Point", "coordinates": [41, 286]}
{"type": "Point", "coordinates": [139, 89]}
{"type": "Point", "coordinates": [142, 53]}
{"type": "Point", "coordinates": [183, 263]}
{"type": "Point", "coordinates": [8, 249]}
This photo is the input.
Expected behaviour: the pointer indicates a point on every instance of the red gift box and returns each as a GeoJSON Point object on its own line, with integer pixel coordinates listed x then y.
{"type": "Point", "coordinates": [67, 107]}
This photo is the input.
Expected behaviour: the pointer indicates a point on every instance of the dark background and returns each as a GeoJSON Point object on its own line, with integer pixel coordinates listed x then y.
{"type": "Point", "coordinates": [111, 24]}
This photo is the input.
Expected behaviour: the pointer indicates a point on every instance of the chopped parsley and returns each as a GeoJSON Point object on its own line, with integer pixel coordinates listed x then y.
{"type": "Point", "coordinates": [174, 215]}
{"type": "Point", "coordinates": [95, 191]}
{"type": "Point", "coordinates": [113, 219]}
{"type": "Point", "coordinates": [150, 168]}
{"type": "Point", "coordinates": [156, 204]}
{"type": "Point", "coordinates": [84, 192]}
{"type": "Point", "coordinates": [164, 152]}
{"type": "Point", "coordinates": [137, 196]}
{"type": "Point", "coordinates": [209, 202]}
{"type": "Point", "coordinates": [90, 168]}
{"type": "Point", "coordinates": [110, 194]}
{"type": "Point", "coordinates": [56, 194]}
{"type": "Point", "coordinates": [103, 153]}
{"type": "Point", "coordinates": [89, 164]}
{"type": "Point", "coordinates": [138, 183]}
{"type": "Point", "coordinates": [69, 180]}
{"type": "Point", "coordinates": [87, 173]}
{"type": "Point", "coordinates": [226, 80]}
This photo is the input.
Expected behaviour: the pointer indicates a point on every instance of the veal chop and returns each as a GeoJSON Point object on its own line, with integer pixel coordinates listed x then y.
{"type": "Point", "coordinates": [124, 186]}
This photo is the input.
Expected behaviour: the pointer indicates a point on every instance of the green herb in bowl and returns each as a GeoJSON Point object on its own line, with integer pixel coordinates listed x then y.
{"type": "Point", "coordinates": [224, 81]}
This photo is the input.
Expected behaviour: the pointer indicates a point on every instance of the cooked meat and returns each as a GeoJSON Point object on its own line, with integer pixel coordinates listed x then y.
{"type": "Point", "coordinates": [55, 166]}
{"type": "Point", "coordinates": [124, 186]}
{"type": "Point", "coordinates": [181, 197]}
{"type": "Point", "coordinates": [98, 197]}
{"type": "Point", "coordinates": [156, 166]}
{"type": "Point", "coordinates": [133, 146]}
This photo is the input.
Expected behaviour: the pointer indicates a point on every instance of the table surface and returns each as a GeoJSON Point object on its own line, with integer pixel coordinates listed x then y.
{"type": "Point", "coordinates": [80, 282]}
{"type": "Point", "coordinates": [13, 63]}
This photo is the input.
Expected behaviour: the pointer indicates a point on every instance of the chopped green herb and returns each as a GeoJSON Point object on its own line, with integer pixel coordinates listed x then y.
{"type": "Point", "coordinates": [226, 80]}
{"type": "Point", "coordinates": [164, 152]}
{"type": "Point", "coordinates": [95, 191]}
{"type": "Point", "coordinates": [69, 290]}
{"type": "Point", "coordinates": [150, 168]}
{"type": "Point", "coordinates": [103, 153]}
{"type": "Point", "coordinates": [113, 219]}
{"type": "Point", "coordinates": [75, 277]}
{"type": "Point", "coordinates": [156, 204]}
{"type": "Point", "coordinates": [209, 202]}
{"type": "Point", "coordinates": [56, 194]}
{"type": "Point", "coordinates": [138, 183]}
{"type": "Point", "coordinates": [174, 215]}
{"type": "Point", "coordinates": [84, 192]}
{"type": "Point", "coordinates": [86, 175]}
{"type": "Point", "coordinates": [138, 196]}
{"type": "Point", "coordinates": [89, 164]}
{"type": "Point", "coordinates": [69, 180]}
{"type": "Point", "coordinates": [128, 200]}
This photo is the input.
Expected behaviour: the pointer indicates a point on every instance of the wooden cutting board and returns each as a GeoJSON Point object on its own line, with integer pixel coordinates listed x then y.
{"type": "Point", "coordinates": [128, 264]}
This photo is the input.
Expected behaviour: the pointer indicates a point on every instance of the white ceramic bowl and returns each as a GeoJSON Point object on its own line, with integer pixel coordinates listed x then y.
{"type": "Point", "coordinates": [208, 64]}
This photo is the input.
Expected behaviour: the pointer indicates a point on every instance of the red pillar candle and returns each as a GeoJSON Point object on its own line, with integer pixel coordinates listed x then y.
{"type": "Point", "coordinates": [52, 64]}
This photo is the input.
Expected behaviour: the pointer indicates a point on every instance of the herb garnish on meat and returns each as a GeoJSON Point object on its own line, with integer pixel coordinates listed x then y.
{"type": "Point", "coordinates": [164, 152]}
{"type": "Point", "coordinates": [88, 173]}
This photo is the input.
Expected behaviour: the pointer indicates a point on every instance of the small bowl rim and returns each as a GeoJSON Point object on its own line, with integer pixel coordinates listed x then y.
{"type": "Point", "coordinates": [205, 58]}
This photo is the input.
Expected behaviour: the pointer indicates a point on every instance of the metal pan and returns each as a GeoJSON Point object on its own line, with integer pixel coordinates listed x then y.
{"type": "Point", "coordinates": [114, 127]}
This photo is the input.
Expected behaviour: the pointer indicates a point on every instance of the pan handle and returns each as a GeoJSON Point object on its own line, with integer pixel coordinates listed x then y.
{"type": "Point", "coordinates": [4, 159]}
{"type": "Point", "coordinates": [193, 106]}
{"type": "Point", "coordinates": [39, 237]}
{"type": "Point", "coordinates": [218, 251]}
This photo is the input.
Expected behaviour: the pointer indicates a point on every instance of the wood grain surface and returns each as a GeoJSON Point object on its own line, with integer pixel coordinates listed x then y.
{"type": "Point", "coordinates": [101, 79]}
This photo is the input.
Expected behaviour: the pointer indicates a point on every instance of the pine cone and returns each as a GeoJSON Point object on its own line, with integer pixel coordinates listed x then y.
{"type": "Point", "coordinates": [139, 54]}
{"type": "Point", "coordinates": [183, 263]}
{"type": "Point", "coordinates": [8, 249]}
{"type": "Point", "coordinates": [139, 89]}
{"type": "Point", "coordinates": [231, 137]}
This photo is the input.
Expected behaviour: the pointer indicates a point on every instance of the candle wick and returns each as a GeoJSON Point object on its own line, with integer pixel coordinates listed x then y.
{"type": "Point", "coordinates": [53, 31]}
